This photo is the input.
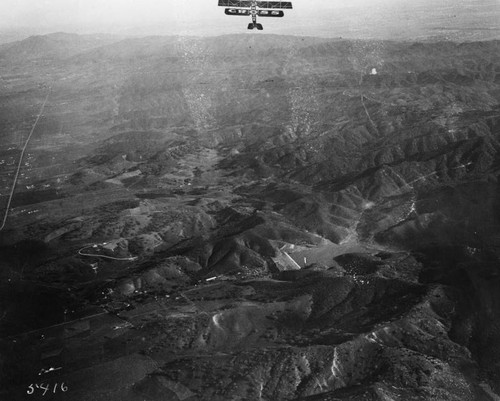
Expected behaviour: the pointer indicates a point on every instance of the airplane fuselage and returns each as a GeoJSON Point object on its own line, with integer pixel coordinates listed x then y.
{"type": "Point", "coordinates": [253, 12]}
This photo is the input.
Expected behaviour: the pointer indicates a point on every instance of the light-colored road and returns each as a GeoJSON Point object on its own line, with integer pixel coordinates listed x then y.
{"type": "Point", "coordinates": [19, 165]}
{"type": "Point", "coordinates": [95, 255]}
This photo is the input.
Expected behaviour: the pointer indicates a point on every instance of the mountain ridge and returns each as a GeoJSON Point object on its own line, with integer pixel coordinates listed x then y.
{"type": "Point", "coordinates": [254, 217]}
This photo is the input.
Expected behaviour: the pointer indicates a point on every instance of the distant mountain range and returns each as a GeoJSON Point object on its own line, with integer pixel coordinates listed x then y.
{"type": "Point", "coordinates": [467, 20]}
{"type": "Point", "coordinates": [56, 45]}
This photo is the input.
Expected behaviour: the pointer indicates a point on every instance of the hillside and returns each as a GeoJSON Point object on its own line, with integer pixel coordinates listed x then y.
{"type": "Point", "coordinates": [251, 217]}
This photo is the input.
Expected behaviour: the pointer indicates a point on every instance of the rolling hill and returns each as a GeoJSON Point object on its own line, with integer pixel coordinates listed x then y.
{"type": "Point", "coordinates": [252, 217]}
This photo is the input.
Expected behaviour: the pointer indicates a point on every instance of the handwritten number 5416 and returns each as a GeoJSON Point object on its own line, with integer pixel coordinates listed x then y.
{"type": "Point", "coordinates": [46, 387]}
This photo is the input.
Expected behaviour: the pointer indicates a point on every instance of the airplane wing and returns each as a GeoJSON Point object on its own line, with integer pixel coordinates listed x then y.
{"type": "Point", "coordinates": [235, 3]}
{"type": "Point", "coordinates": [260, 4]}
{"type": "Point", "coordinates": [260, 13]}
{"type": "Point", "coordinates": [274, 4]}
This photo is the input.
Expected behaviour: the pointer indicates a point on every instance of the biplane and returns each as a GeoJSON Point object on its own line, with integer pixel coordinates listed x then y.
{"type": "Point", "coordinates": [255, 9]}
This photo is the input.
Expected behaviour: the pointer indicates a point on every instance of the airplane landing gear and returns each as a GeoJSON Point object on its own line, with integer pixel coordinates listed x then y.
{"type": "Point", "coordinates": [255, 26]}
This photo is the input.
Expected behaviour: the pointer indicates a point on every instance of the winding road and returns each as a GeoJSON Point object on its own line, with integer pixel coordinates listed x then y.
{"type": "Point", "coordinates": [95, 255]}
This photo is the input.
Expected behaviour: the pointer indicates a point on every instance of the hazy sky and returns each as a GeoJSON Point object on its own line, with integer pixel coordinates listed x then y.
{"type": "Point", "coordinates": [389, 18]}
